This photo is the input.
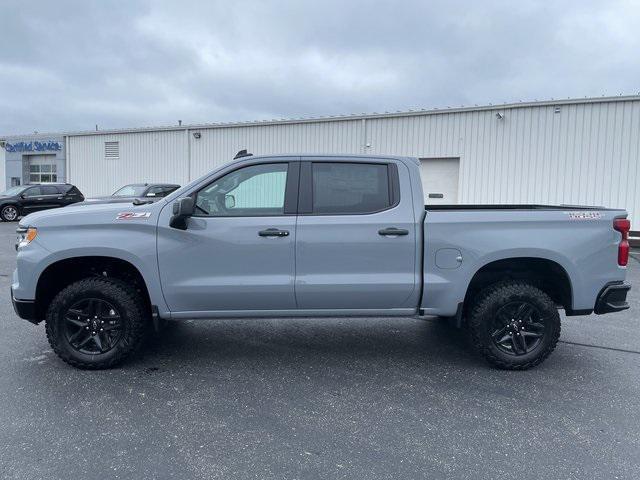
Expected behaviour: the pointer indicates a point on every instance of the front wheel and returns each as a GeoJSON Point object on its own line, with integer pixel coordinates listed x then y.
{"type": "Point", "coordinates": [9, 213]}
{"type": "Point", "coordinates": [96, 323]}
{"type": "Point", "coordinates": [514, 325]}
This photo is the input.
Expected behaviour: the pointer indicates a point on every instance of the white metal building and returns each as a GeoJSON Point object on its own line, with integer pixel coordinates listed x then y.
{"type": "Point", "coordinates": [582, 151]}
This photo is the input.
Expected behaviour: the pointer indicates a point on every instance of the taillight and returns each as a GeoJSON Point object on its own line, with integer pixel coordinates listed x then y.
{"type": "Point", "coordinates": [623, 225]}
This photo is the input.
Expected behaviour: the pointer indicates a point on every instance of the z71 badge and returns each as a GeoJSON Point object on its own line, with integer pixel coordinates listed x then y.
{"type": "Point", "coordinates": [133, 215]}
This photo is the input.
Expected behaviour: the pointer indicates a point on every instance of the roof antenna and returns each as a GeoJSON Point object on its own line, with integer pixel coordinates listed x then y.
{"type": "Point", "coordinates": [242, 153]}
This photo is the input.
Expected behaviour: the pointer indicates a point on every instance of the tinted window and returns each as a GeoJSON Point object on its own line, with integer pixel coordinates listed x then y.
{"type": "Point", "coordinates": [350, 187]}
{"type": "Point", "coordinates": [32, 192]}
{"type": "Point", "coordinates": [257, 190]}
{"type": "Point", "coordinates": [49, 190]}
{"type": "Point", "coordinates": [130, 191]}
{"type": "Point", "coordinates": [71, 190]}
{"type": "Point", "coordinates": [160, 191]}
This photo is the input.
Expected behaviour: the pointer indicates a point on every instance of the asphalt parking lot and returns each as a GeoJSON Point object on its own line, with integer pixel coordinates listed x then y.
{"type": "Point", "coordinates": [334, 398]}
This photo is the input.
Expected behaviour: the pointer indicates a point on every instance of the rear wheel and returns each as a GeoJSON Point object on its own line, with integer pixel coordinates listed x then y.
{"type": "Point", "coordinates": [514, 325]}
{"type": "Point", "coordinates": [96, 323]}
{"type": "Point", "coordinates": [9, 213]}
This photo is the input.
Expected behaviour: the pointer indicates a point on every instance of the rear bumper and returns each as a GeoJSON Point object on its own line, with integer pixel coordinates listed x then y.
{"type": "Point", "coordinates": [25, 309]}
{"type": "Point", "coordinates": [612, 298]}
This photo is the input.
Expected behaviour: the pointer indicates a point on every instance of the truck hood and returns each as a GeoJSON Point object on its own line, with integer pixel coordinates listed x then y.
{"type": "Point", "coordinates": [87, 214]}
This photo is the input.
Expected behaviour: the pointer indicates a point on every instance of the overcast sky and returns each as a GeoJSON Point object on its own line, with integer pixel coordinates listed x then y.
{"type": "Point", "coordinates": [68, 65]}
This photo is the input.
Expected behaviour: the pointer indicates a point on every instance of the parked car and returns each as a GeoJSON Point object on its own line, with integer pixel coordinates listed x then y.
{"type": "Point", "coordinates": [147, 192]}
{"type": "Point", "coordinates": [25, 199]}
{"type": "Point", "coordinates": [317, 236]}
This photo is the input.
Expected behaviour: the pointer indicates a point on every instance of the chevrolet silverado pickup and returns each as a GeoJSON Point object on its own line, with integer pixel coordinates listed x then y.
{"type": "Point", "coordinates": [330, 235]}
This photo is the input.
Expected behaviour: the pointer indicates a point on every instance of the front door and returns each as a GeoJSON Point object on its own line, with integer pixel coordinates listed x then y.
{"type": "Point", "coordinates": [238, 251]}
{"type": "Point", "coordinates": [356, 238]}
{"type": "Point", "coordinates": [32, 200]}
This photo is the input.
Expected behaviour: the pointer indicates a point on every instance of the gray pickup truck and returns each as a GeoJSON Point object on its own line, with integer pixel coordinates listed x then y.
{"type": "Point", "coordinates": [331, 235]}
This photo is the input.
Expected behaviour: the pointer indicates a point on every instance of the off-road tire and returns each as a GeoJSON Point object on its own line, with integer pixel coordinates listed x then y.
{"type": "Point", "coordinates": [123, 296]}
{"type": "Point", "coordinates": [481, 315]}
{"type": "Point", "coordinates": [3, 213]}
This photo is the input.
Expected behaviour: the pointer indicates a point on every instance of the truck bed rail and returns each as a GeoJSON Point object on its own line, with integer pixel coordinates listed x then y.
{"type": "Point", "coordinates": [514, 207]}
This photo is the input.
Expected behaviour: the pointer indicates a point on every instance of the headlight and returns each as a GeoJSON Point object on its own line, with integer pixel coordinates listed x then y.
{"type": "Point", "coordinates": [25, 236]}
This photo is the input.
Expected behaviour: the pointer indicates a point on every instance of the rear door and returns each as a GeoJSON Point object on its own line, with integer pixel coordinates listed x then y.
{"type": "Point", "coordinates": [51, 197]}
{"type": "Point", "coordinates": [356, 238]}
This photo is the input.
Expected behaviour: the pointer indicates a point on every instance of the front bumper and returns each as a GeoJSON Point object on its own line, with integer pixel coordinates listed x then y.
{"type": "Point", "coordinates": [612, 298]}
{"type": "Point", "coordinates": [25, 309]}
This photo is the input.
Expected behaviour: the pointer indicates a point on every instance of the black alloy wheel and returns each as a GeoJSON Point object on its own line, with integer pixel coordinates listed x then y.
{"type": "Point", "coordinates": [518, 328]}
{"type": "Point", "coordinates": [92, 326]}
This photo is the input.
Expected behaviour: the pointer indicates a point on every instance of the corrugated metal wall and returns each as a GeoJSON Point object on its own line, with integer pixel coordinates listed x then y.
{"type": "Point", "coordinates": [219, 145]}
{"type": "Point", "coordinates": [144, 157]}
{"type": "Point", "coordinates": [571, 153]}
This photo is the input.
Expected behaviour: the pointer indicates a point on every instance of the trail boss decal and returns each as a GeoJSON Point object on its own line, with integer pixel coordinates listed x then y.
{"type": "Point", "coordinates": [584, 215]}
{"type": "Point", "coordinates": [133, 215]}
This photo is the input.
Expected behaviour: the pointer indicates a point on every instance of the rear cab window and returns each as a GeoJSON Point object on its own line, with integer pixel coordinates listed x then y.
{"type": "Point", "coordinates": [160, 191]}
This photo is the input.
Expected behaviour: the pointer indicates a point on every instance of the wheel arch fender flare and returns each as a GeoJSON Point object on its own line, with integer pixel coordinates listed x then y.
{"type": "Point", "coordinates": [537, 264]}
{"type": "Point", "coordinates": [147, 270]}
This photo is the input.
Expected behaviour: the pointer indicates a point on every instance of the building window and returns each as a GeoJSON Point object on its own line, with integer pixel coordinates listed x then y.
{"type": "Point", "coordinates": [112, 150]}
{"type": "Point", "coordinates": [43, 173]}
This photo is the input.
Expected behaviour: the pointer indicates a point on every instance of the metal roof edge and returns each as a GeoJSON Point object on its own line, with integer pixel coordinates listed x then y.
{"type": "Point", "coordinates": [338, 118]}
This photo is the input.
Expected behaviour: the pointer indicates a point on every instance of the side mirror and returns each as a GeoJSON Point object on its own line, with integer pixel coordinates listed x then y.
{"type": "Point", "coordinates": [183, 208]}
{"type": "Point", "coordinates": [229, 201]}
{"type": "Point", "coordinates": [23, 196]}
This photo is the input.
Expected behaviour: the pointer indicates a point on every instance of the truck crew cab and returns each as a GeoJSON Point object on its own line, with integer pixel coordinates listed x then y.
{"type": "Point", "coordinates": [316, 235]}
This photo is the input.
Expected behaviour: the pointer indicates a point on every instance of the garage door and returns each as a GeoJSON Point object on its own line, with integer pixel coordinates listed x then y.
{"type": "Point", "coordinates": [440, 180]}
{"type": "Point", "coordinates": [42, 169]}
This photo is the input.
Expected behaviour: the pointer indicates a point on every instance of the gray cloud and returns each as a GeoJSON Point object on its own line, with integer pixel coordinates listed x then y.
{"type": "Point", "coordinates": [67, 65]}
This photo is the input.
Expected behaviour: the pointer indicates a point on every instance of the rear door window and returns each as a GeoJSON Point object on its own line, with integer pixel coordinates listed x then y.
{"type": "Point", "coordinates": [49, 190]}
{"type": "Point", "coordinates": [350, 188]}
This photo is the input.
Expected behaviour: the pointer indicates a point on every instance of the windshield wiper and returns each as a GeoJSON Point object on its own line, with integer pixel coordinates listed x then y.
{"type": "Point", "coordinates": [137, 201]}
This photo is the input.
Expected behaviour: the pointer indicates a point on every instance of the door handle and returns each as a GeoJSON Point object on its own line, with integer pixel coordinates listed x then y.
{"type": "Point", "coordinates": [393, 231]}
{"type": "Point", "coordinates": [273, 232]}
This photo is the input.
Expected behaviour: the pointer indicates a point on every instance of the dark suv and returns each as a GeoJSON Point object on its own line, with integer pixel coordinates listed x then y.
{"type": "Point", "coordinates": [22, 200]}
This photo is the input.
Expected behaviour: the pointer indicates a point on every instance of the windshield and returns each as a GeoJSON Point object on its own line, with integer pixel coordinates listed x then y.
{"type": "Point", "coordinates": [13, 191]}
{"type": "Point", "coordinates": [130, 191]}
